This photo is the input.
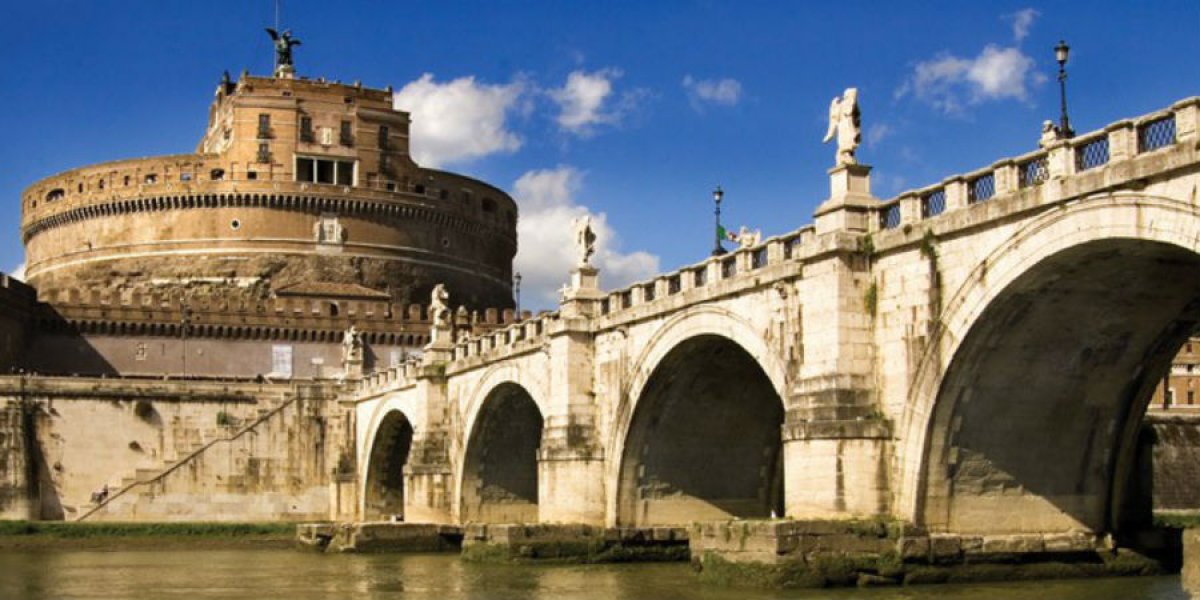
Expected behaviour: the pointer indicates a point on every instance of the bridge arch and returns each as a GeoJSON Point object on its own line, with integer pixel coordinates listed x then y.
{"type": "Point", "coordinates": [498, 478]}
{"type": "Point", "coordinates": [696, 433]}
{"type": "Point", "coordinates": [1024, 411]}
{"type": "Point", "coordinates": [383, 488]}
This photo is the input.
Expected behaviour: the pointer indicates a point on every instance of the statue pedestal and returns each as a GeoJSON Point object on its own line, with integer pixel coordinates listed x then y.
{"type": "Point", "coordinates": [850, 201]}
{"type": "Point", "coordinates": [353, 368]}
{"type": "Point", "coordinates": [583, 294]}
{"type": "Point", "coordinates": [441, 345]}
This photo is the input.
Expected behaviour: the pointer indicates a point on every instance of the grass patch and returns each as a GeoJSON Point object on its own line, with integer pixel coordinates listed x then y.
{"type": "Point", "coordinates": [1177, 520]}
{"type": "Point", "coordinates": [85, 530]}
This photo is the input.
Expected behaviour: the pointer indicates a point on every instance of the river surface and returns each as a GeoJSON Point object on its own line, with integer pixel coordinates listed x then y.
{"type": "Point", "coordinates": [263, 574]}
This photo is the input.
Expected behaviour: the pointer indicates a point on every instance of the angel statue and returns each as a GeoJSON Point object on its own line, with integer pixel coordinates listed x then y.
{"type": "Point", "coordinates": [844, 120]}
{"type": "Point", "coordinates": [352, 349]}
{"type": "Point", "coordinates": [439, 309]}
{"type": "Point", "coordinates": [585, 240]}
{"type": "Point", "coordinates": [283, 47]}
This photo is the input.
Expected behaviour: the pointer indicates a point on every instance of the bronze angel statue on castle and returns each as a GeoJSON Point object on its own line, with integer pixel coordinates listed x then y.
{"type": "Point", "coordinates": [284, 42]}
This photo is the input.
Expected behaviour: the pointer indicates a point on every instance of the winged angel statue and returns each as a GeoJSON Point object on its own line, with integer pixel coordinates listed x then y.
{"type": "Point", "coordinates": [844, 121]}
{"type": "Point", "coordinates": [284, 42]}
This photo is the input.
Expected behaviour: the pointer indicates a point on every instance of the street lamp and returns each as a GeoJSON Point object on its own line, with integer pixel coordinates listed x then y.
{"type": "Point", "coordinates": [1061, 52]}
{"type": "Point", "coordinates": [718, 193]}
{"type": "Point", "coordinates": [517, 292]}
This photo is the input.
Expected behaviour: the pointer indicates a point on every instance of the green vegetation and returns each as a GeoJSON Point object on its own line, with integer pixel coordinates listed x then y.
{"type": "Point", "coordinates": [73, 530]}
{"type": "Point", "coordinates": [1177, 520]}
{"type": "Point", "coordinates": [871, 298]}
{"type": "Point", "coordinates": [575, 552]}
{"type": "Point", "coordinates": [123, 536]}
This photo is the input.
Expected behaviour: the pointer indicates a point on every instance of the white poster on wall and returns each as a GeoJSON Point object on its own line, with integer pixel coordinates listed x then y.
{"type": "Point", "coordinates": [281, 361]}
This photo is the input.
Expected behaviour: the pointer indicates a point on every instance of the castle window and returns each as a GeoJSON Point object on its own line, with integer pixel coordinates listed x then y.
{"type": "Point", "coordinates": [489, 205]}
{"type": "Point", "coordinates": [333, 309]}
{"type": "Point", "coordinates": [264, 153]}
{"type": "Point", "coordinates": [264, 126]}
{"type": "Point", "coordinates": [391, 186]}
{"type": "Point", "coordinates": [101, 184]}
{"type": "Point", "coordinates": [306, 129]}
{"type": "Point", "coordinates": [55, 194]}
{"type": "Point", "coordinates": [185, 176]}
{"type": "Point", "coordinates": [251, 175]}
{"type": "Point", "coordinates": [126, 180]}
{"type": "Point", "coordinates": [383, 137]}
{"type": "Point", "coordinates": [81, 188]}
{"type": "Point", "coordinates": [443, 194]}
{"type": "Point", "coordinates": [216, 174]}
{"type": "Point", "coordinates": [151, 178]}
{"type": "Point", "coordinates": [346, 135]}
{"type": "Point", "coordinates": [419, 189]}
{"type": "Point", "coordinates": [324, 170]}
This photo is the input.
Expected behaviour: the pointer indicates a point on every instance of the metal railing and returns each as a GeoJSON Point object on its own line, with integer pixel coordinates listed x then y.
{"type": "Point", "coordinates": [1033, 172]}
{"type": "Point", "coordinates": [933, 203]}
{"type": "Point", "coordinates": [1091, 154]}
{"type": "Point", "coordinates": [889, 217]}
{"type": "Point", "coordinates": [981, 188]}
{"type": "Point", "coordinates": [1156, 134]}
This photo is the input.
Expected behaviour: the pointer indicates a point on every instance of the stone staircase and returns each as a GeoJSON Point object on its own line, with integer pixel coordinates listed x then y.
{"type": "Point", "coordinates": [190, 443]}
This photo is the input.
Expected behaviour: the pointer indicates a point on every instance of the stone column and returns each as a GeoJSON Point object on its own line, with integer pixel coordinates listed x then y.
{"type": "Point", "coordinates": [834, 439]}
{"type": "Point", "coordinates": [428, 475]}
{"type": "Point", "coordinates": [571, 459]}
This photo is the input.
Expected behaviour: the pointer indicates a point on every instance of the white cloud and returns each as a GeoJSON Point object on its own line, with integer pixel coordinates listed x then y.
{"type": "Point", "coordinates": [877, 132]}
{"type": "Point", "coordinates": [586, 101]}
{"type": "Point", "coordinates": [724, 92]}
{"type": "Point", "coordinates": [1022, 22]}
{"type": "Point", "coordinates": [459, 120]}
{"type": "Point", "coordinates": [17, 272]}
{"type": "Point", "coordinates": [949, 83]}
{"type": "Point", "coordinates": [546, 254]}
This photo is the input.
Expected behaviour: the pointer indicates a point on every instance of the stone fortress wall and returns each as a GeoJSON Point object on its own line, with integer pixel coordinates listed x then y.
{"type": "Point", "coordinates": [246, 211]}
{"type": "Point", "coordinates": [184, 334]}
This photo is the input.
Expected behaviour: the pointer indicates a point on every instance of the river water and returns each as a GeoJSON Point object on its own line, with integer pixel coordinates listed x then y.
{"type": "Point", "coordinates": [263, 574]}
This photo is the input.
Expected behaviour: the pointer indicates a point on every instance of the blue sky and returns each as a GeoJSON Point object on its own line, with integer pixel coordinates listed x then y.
{"type": "Point", "coordinates": [629, 111]}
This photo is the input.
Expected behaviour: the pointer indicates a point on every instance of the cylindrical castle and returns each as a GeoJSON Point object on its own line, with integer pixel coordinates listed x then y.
{"type": "Point", "coordinates": [297, 184]}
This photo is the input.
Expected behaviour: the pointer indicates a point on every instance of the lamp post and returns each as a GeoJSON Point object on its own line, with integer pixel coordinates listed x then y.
{"type": "Point", "coordinates": [1061, 52]}
{"type": "Point", "coordinates": [718, 193]}
{"type": "Point", "coordinates": [517, 292]}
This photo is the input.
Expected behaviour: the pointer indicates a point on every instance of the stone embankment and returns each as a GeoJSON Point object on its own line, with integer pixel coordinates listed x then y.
{"type": "Point", "coordinates": [869, 553]}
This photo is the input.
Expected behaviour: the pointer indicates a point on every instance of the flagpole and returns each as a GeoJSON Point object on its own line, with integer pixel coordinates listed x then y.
{"type": "Point", "coordinates": [718, 193]}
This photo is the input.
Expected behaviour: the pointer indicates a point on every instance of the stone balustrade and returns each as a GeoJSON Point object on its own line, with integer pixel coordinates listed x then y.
{"type": "Point", "coordinates": [1119, 141]}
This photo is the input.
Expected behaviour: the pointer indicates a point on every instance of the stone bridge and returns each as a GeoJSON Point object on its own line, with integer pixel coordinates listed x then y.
{"type": "Point", "coordinates": [973, 357]}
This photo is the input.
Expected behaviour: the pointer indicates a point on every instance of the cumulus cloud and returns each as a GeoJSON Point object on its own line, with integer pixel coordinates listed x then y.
{"type": "Point", "coordinates": [1022, 22]}
{"type": "Point", "coordinates": [17, 272]}
{"type": "Point", "coordinates": [721, 92]}
{"type": "Point", "coordinates": [546, 252]}
{"type": "Point", "coordinates": [588, 100]}
{"type": "Point", "coordinates": [950, 83]}
{"type": "Point", "coordinates": [459, 120]}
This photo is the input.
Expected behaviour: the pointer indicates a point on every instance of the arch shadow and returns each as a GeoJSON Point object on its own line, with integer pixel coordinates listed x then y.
{"type": "Point", "coordinates": [704, 439]}
{"type": "Point", "coordinates": [500, 466]}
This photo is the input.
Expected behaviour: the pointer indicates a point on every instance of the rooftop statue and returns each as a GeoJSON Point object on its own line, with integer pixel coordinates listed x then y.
{"type": "Point", "coordinates": [844, 121]}
{"type": "Point", "coordinates": [283, 47]}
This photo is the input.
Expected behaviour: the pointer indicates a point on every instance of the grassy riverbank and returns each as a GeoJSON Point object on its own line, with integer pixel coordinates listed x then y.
{"type": "Point", "coordinates": [61, 534]}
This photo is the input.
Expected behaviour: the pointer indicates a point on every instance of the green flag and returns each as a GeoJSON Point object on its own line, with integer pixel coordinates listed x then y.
{"type": "Point", "coordinates": [726, 234]}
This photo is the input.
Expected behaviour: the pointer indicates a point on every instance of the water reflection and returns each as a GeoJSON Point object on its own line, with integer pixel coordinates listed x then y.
{"type": "Point", "coordinates": [258, 574]}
